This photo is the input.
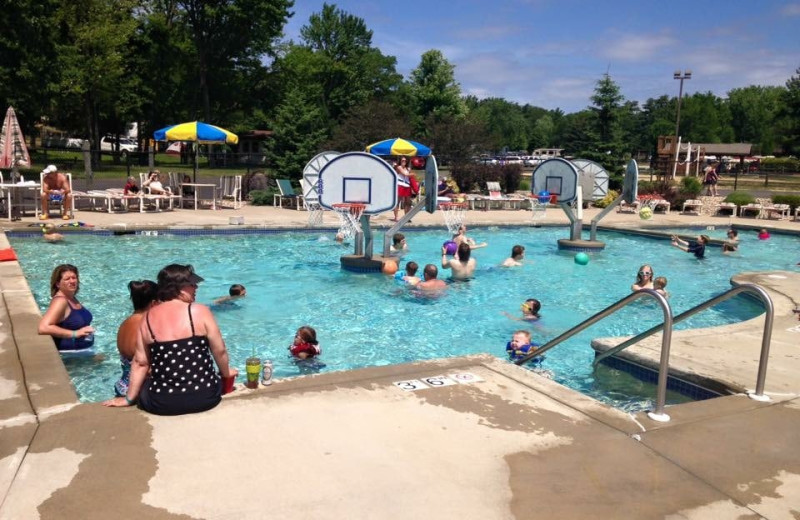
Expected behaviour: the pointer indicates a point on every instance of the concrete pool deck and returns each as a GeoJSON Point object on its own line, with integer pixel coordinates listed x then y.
{"type": "Point", "coordinates": [504, 443]}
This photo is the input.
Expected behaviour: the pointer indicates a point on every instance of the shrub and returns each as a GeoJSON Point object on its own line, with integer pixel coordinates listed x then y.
{"type": "Point", "coordinates": [740, 198]}
{"type": "Point", "coordinates": [781, 165]}
{"type": "Point", "coordinates": [472, 177]}
{"type": "Point", "coordinates": [262, 197]}
{"type": "Point", "coordinates": [615, 182]}
{"type": "Point", "coordinates": [691, 187]}
{"type": "Point", "coordinates": [791, 200]}
{"type": "Point", "coordinates": [524, 185]}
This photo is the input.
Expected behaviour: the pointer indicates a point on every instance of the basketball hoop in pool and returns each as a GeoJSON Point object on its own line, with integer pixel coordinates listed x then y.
{"type": "Point", "coordinates": [454, 214]}
{"type": "Point", "coordinates": [349, 214]}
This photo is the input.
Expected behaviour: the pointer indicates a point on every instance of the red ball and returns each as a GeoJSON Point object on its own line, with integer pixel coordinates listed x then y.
{"type": "Point", "coordinates": [418, 163]}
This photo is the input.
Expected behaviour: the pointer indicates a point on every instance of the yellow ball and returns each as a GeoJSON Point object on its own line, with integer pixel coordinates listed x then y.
{"type": "Point", "coordinates": [645, 213]}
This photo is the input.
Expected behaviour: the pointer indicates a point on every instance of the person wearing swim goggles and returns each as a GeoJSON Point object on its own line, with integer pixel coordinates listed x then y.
{"type": "Point", "coordinates": [644, 278]}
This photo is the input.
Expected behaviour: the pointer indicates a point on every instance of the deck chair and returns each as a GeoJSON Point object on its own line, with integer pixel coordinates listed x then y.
{"type": "Point", "coordinates": [753, 208]}
{"type": "Point", "coordinates": [151, 200]}
{"type": "Point", "coordinates": [779, 211]}
{"type": "Point", "coordinates": [692, 206]}
{"type": "Point", "coordinates": [728, 208]}
{"type": "Point", "coordinates": [59, 202]}
{"type": "Point", "coordinates": [230, 189]}
{"type": "Point", "coordinates": [286, 193]}
{"type": "Point", "coordinates": [625, 207]}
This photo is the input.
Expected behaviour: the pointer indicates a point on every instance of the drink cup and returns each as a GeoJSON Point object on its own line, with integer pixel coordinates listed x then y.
{"type": "Point", "coordinates": [227, 384]}
{"type": "Point", "coordinates": [253, 367]}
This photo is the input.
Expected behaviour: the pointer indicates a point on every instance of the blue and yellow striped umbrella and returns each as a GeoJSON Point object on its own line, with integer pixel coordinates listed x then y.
{"type": "Point", "coordinates": [398, 146]}
{"type": "Point", "coordinates": [196, 131]}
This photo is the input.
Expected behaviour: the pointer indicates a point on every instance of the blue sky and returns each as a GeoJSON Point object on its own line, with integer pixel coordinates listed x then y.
{"type": "Point", "coordinates": [550, 53]}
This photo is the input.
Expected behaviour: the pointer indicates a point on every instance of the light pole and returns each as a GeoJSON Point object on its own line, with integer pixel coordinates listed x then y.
{"type": "Point", "coordinates": [681, 75]}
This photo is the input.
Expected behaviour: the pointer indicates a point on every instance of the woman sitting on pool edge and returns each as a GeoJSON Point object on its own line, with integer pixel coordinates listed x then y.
{"type": "Point", "coordinates": [644, 278]}
{"type": "Point", "coordinates": [177, 328]}
{"type": "Point", "coordinates": [66, 320]}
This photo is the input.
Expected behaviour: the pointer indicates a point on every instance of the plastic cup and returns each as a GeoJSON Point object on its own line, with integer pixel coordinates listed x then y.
{"type": "Point", "coordinates": [253, 367]}
{"type": "Point", "coordinates": [227, 384]}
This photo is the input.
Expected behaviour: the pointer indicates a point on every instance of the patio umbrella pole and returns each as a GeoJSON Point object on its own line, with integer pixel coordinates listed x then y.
{"type": "Point", "coordinates": [196, 151]}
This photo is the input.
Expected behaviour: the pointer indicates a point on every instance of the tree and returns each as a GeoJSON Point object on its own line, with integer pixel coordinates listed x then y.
{"type": "Point", "coordinates": [790, 115]}
{"type": "Point", "coordinates": [368, 123]}
{"type": "Point", "coordinates": [230, 36]}
{"type": "Point", "coordinates": [338, 64]}
{"type": "Point", "coordinates": [753, 111]}
{"type": "Point", "coordinates": [608, 101]}
{"type": "Point", "coordinates": [505, 123]}
{"type": "Point", "coordinates": [299, 128]}
{"type": "Point", "coordinates": [433, 88]}
{"type": "Point", "coordinates": [542, 133]}
{"type": "Point", "coordinates": [455, 139]}
{"type": "Point", "coordinates": [705, 118]}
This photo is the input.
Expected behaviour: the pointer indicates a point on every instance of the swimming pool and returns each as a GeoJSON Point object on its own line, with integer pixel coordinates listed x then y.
{"type": "Point", "coordinates": [293, 278]}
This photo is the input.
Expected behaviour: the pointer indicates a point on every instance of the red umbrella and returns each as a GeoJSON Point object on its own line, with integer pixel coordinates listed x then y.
{"type": "Point", "coordinates": [13, 151]}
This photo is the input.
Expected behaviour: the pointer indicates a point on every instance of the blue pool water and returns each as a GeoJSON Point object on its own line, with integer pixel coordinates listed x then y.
{"type": "Point", "coordinates": [294, 278]}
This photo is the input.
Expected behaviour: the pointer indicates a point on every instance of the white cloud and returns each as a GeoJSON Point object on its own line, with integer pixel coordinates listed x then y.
{"type": "Point", "coordinates": [791, 10]}
{"type": "Point", "coordinates": [637, 47]}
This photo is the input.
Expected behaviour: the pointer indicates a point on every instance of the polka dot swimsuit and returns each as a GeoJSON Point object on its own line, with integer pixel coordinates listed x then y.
{"type": "Point", "coordinates": [182, 378]}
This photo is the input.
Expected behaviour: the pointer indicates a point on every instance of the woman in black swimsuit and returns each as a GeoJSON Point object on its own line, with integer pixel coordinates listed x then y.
{"type": "Point", "coordinates": [177, 341]}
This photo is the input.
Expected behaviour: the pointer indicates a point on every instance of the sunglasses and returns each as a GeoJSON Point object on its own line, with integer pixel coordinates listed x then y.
{"type": "Point", "coordinates": [645, 273]}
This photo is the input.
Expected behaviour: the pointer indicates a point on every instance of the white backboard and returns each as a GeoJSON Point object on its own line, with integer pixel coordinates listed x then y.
{"type": "Point", "coordinates": [358, 177]}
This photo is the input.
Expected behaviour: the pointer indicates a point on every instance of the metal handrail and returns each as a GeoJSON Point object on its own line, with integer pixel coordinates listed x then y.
{"type": "Point", "coordinates": [661, 398]}
{"type": "Point", "coordinates": [765, 340]}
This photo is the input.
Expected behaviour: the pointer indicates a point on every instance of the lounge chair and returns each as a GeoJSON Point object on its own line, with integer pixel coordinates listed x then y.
{"type": "Point", "coordinates": [657, 204]}
{"type": "Point", "coordinates": [624, 207]}
{"type": "Point", "coordinates": [154, 200]}
{"type": "Point", "coordinates": [779, 211]}
{"type": "Point", "coordinates": [287, 193]}
{"type": "Point", "coordinates": [692, 206]}
{"type": "Point", "coordinates": [230, 189]}
{"type": "Point", "coordinates": [797, 213]}
{"type": "Point", "coordinates": [495, 196]}
{"type": "Point", "coordinates": [726, 208]}
{"type": "Point", "coordinates": [753, 208]}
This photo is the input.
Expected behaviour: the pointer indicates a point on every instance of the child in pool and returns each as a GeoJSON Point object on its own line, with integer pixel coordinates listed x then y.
{"type": "Point", "coordinates": [235, 292]}
{"type": "Point", "coordinates": [521, 345]}
{"type": "Point", "coordinates": [410, 277]}
{"type": "Point", "coordinates": [763, 234]}
{"type": "Point", "coordinates": [530, 310]}
{"type": "Point", "coordinates": [658, 284]}
{"type": "Point", "coordinates": [305, 345]}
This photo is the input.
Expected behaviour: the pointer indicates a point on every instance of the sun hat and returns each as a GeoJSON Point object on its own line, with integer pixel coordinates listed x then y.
{"type": "Point", "coordinates": [50, 168]}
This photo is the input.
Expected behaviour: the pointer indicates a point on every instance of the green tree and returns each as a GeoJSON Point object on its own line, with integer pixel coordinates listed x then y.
{"type": "Point", "coordinates": [368, 123]}
{"type": "Point", "coordinates": [299, 129]}
{"type": "Point", "coordinates": [607, 100]}
{"type": "Point", "coordinates": [705, 118]}
{"type": "Point", "coordinates": [790, 115]}
{"type": "Point", "coordinates": [229, 37]}
{"type": "Point", "coordinates": [455, 139]}
{"type": "Point", "coordinates": [753, 112]}
{"type": "Point", "coordinates": [338, 65]}
{"type": "Point", "coordinates": [27, 54]}
{"type": "Point", "coordinates": [433, 88]}
{"type": "Point", "coordinates": [542, 135]}
{"type": "Point", "coordinates": [505, 123]}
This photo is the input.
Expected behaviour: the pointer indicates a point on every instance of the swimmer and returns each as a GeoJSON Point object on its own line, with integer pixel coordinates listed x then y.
{"type": "Point", "coordinates": [235, 292]}
{"type": "Point", "coordinates": [305, 344]}
{"type": "Point", "coordinates": [763, 234]}
{"type": "Point", "coordinates": [520, 345]}
{"type": "Point", "coordinates": [516, 258]}
{"type": "Point", "coordinates": [462, 266]}
{"type": "Point", "coordinates": [431, 282]}
{"type": "Point", "coordinates": [461, 236]}
{"type": "Point", "coordinates": [339, 238]}
{"type": "Point", "coordinates": [530, 310]}
{"type": "Point", "coordinates": [49, 233]}
{"type": "Point", "coordinates": [644, 278]}
{"type": "Point", "coordinates": [411, 277]}
{"type": "Point", "coordinates": [659, 285]}
{"type": "Point", "coordinates": [698, 247]}
{"type": "Point", "coordinates": [399, 244]}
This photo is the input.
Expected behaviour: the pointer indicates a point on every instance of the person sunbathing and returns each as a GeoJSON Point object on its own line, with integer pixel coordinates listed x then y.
{"type": "Point", "coordinates": [153, 183]}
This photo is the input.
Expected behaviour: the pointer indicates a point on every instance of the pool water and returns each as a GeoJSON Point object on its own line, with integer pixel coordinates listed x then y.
{"type": "Point", "coordinates": [294, 279]}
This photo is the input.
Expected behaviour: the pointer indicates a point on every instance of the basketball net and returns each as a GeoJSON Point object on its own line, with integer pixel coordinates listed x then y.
{"type": "Point", "coordinates": [538, 210]}
{"type": "Point", "coordinates": [454, 214]}
{"type": "Point", "coordinates": [349, 218]}
{"type": "Point", "coordinates": [314, 214]}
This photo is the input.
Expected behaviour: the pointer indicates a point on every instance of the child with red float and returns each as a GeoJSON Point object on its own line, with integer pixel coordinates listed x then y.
{"type": "Point", "coordinates": [305, 345]}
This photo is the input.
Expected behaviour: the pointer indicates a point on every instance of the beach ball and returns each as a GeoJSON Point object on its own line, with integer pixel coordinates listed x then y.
{"type": "Point", "coordinates": [581, 259]}
{"type": "Point", "coordinates": [450, 247]}
{"type": "Point", "coordinates": [418, 163]}
{"type": "Point", "coordinates": [389, 267]}
{"type": "Point", "coordinates": [645, 213]}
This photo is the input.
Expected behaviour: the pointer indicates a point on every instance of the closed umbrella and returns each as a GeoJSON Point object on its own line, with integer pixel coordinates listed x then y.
{"type": "Point", "coordinates": [399, 146]}
{"type": "Point", "coordinates": [13, 151]}
{"type": "Point", "coordinates": [196, 132]}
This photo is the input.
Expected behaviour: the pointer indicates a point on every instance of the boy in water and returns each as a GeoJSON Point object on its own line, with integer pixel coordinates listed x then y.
{"type": "Point", "coordinates": [235, 292]}
{"type": "Point", "coordinates": [530, 310]}
{"type": "Point", "coordinates": [411, 277]}
{"type": "Point", "coordinates": [520, 345]}
{"type": "Point", "coordinates": [659, 284]}
{"type": "Point", "coordinates": [698, 247]}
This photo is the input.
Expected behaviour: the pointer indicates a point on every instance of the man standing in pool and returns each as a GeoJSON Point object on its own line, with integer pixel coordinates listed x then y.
{"type": "Point", "coordinates": [698, 247]}
{"type": "Point", "coordinates": [462, 266]}
{"type": "Point", "coordinates": [431, 282]}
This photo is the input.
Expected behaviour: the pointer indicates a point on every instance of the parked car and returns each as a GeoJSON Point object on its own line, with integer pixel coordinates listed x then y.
{"type": "Point", "coordinates": [512, 159]}
{"type": "Point", "coordinates": [107, 144]}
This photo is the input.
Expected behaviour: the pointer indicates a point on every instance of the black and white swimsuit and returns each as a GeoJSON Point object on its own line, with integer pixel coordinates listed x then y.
{"type": "Point", "coordinates": [182, 377]}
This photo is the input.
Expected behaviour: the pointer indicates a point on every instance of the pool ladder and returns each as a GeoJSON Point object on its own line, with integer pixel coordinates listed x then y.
{"type": "Point", "coordinates": [666, 340]}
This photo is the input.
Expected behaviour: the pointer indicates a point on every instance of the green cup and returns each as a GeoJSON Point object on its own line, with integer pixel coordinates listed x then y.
{"type": "Point", "coordinates": [253, 367]}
